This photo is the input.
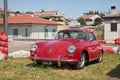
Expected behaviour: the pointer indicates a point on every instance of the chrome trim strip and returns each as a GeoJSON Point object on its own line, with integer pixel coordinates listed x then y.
{"type": "Point", "coordinates": [43, 59]}
{"type": "Point", "coordinates": [94, 59]}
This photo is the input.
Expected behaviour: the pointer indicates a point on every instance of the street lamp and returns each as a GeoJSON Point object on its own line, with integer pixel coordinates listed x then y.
{"type": "Point", "coordinates": [5, 17]}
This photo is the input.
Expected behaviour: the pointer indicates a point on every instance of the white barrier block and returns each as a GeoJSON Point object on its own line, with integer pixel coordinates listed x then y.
{"type": "Point", "coordinates": [2, 56]}
{"type": "Point", "coordinates": [19, 54]}
{"type": "Point", "coordinates": [115, 49]}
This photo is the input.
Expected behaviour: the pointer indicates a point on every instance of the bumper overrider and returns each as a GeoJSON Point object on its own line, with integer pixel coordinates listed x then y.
{"type": "Point", "coordinates": [58, 60]}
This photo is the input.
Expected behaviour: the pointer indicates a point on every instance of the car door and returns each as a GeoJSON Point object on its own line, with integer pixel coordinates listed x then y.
{"type": "Point", "coordinates": [93, 44]}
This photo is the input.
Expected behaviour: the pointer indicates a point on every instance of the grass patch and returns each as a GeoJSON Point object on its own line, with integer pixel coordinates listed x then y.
{"type": "Point", "coordinates": [25, 69]}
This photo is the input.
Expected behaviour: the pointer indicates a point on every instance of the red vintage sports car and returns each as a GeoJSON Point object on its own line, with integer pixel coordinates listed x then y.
{"type": "Point", "coordinates": [73, 46]}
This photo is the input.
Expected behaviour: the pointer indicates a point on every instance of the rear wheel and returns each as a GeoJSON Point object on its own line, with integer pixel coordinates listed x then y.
{"type": "Point", "coordinates": [81, 62]}
{"type": "Point", "coordinates": [118, 50]}
{"type": "Point", "coordinates": [101, 57]}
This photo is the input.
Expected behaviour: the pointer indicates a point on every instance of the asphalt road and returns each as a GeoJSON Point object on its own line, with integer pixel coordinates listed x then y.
{"type": "Point", "coordinates": [19, 45]}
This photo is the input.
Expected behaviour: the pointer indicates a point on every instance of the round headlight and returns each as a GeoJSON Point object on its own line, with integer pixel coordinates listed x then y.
{"type": "Point", "coordinates": [71, 49]}
{"type": "Point", "coordinates": [34, 47]}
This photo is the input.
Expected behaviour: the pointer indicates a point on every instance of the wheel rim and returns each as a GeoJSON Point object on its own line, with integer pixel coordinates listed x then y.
{"type": "Point", "coordinates": [101, 56]}
{"type": "Point", "coordinates": [81, 63]}
{"type": "Point", "coordinates": [118, 51]}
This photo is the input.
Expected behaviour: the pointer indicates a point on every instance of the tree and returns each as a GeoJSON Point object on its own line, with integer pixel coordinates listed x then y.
{"type": "Point", "coordinates": [1, 15]}
{"type": "Point", "coordinates": [98, 21]}
{"type": "Point", "coordinates": [95, 12]}
{"type": "Point", "coordinates": [29, 12]}
{"type": "Point", "coordinates": [101, 14]}
{"type": "Point", "coordinates": [82, 21]}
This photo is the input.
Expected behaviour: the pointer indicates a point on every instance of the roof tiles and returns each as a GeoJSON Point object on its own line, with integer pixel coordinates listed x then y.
{"type": "Point", "coordinates": [87, 16]}
{"type": "Point", "coordinates": [27, 18]}
{"type": "Point", "coordinates": [113, 16]}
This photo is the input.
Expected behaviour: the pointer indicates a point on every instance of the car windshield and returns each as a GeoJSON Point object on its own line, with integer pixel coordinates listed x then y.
{"type": "Point", "coordinates": [74, 34]}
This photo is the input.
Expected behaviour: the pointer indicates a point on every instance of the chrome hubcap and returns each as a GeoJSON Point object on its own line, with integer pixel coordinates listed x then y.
{"type": "Point", "coordinates": [82, 61]}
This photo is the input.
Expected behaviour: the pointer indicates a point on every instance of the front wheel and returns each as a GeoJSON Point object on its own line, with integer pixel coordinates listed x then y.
{"type": "Point", "coordinates": [81, 62]}
{"type": "Point", "coordinates": [38, 62]}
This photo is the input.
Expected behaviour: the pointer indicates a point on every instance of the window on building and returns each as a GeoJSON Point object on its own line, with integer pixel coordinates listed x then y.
{"type": "Point", "coordinates": [113, 26]}
{"type": "Point", "coordinates": [53, 32]}
{"type": "Point", "coordinates": [46, 33]}
{"type": "Point", "coordinates": [26, 32]}
{"type": "Point", "coordinates": [15, 32]}
{"type": "Point", "coordinates": [90, 20]}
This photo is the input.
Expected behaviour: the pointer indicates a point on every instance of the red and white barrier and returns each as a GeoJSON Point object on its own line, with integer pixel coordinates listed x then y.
{"type": "Point", "coordinates": [101, 41]}
{"type": "Point", "coordinates": [3, 46]}
{"type": "Point", "coordinates": [19, 54]}
{"type": "Point", "coordinates": [3, 56]}
{"type": "Point", "coordinates": [117, 41]}
{"type": "Point", "coordinates": [111, 49]}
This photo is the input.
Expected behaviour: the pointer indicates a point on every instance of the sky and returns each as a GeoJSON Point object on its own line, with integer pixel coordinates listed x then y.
{"type": "Point", "coordinates": [70, 8]}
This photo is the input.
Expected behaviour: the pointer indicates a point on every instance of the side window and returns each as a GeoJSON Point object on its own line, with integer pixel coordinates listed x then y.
{"type": "Point", "coordinates": [91, 36]}
{"type": "Point", "coordinates": [46, 32]}
{"type": "Point", "coordinates": [15, 32]}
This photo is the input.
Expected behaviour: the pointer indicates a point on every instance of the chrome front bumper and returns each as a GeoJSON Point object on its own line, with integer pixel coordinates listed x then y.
{"type": "Point", "coordinates": [58, 60]}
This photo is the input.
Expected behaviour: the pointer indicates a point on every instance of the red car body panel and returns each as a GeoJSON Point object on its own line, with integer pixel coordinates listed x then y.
{"type": "Point", "coordinates": [57, 50]}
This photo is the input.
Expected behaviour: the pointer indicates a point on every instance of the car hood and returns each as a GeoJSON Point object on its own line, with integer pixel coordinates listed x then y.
{"type": "Point", "coordinates": [55, 45]}
{"type": "Point", "coordinates": [55, 48]}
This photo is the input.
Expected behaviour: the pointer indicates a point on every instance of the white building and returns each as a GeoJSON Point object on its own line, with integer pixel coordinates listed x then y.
{"type": "Point", "coordinates": [90, 18]}
{"type": "Point", "coordinates": [74, 24]}
{"type": "Point", "coordinates": [29, 27]}
{"type": "Point", "coordinates": [112, 25]}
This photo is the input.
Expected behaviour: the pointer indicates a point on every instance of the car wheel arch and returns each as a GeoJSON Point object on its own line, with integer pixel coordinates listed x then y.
{"type": "Point", "coordinates": [101, 57]}
{"type": "Point", "coordinates": [87, 55]}
{"type": "Point", "coordinates": [102, 51]}
{"type": "Point", "coordinates": [82, 60]}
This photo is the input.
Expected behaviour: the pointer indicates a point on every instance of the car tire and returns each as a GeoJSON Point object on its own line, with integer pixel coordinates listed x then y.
{"type": "Point", "coordinates": [118, 50]}
{"type": "Point", "coordinates": [81, 62]}
{"type": "Point", "coordinates": [101, 57]}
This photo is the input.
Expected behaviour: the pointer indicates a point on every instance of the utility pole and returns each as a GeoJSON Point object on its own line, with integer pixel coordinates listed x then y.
{"type": "Point", "coordinates": [5, 17]}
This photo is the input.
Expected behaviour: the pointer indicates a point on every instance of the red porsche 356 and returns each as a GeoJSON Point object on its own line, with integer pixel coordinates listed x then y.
{"type": "Point", "coordinates": [72, 46]}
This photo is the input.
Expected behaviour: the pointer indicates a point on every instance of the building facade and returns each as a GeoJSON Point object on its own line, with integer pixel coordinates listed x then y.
{"type": "Point", "coordinates": [112, 25]}
{"type": "Point", "coordinates": [90, 18]}
{"type": "Point", "coordinates": [52, 16]}
{"type": "Point", "coordinates": [29, 27]}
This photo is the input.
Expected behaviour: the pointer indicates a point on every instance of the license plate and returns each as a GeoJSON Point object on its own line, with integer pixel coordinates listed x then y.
{"type": "Point", "coordinates": [47, 62]}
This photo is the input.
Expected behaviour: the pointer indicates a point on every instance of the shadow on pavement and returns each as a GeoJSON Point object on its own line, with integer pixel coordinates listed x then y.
{"type": "Point", "coordinates": [33, 65]}
{"type": "Point", "coordinates": [115, 72]}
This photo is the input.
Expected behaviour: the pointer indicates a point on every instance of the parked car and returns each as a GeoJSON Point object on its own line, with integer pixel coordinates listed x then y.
{"type": "Point", "coordinates": [73, 46]}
